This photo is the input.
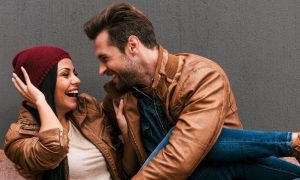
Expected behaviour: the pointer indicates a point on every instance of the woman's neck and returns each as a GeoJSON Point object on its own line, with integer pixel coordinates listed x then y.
{"type": "Point", "coordinates": [64, 121]}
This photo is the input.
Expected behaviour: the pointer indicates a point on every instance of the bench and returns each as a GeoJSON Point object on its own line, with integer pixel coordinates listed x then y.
{"type": "Point", "coordinates": [7, 169]}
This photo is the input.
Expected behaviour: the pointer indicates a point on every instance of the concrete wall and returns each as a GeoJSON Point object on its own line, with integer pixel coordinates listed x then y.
{"type": "Point", "coordinates": [257, 42]}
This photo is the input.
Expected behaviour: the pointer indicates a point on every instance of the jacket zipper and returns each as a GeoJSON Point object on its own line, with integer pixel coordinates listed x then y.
{"type": "Point", "coordinates": [158, 118]}
{"type": "Point", "coordinates": [155, 109]}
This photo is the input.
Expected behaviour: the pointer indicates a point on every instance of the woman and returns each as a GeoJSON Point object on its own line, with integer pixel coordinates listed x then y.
{"type": "Point", "coordinates": [59, 134]}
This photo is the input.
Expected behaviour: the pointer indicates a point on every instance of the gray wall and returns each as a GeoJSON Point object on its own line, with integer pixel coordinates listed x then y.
{"type": "Point", "coordinates": [257, 42]}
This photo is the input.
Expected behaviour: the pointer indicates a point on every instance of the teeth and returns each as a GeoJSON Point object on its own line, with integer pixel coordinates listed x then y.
{"type": "Point", "coordinates": [74, 91]}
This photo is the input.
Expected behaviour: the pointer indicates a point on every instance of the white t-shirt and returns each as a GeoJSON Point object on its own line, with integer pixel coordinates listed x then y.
{"type": "Point", "coordinates": [84, 159]}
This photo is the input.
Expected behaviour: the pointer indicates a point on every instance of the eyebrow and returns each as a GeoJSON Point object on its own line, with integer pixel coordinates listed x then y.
{"type": "Point", "coordinates": [65, 68]}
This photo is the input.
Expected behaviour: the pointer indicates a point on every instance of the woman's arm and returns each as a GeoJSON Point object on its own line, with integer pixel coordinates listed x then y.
{"type": "Point", "coordinates": [33, 150]}
{"type": "Point", "coordinates": [35, 147]}
{"type": "Point", "coordinates": [34, 96]}
{"type": "Point", "coordinates": [129, 160]}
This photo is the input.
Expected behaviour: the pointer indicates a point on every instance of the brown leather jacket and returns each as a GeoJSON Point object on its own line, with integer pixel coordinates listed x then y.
{"type": "Point", "coordinates": [37, 152]}
{"type": "Point", "coordinates": [197, 99]}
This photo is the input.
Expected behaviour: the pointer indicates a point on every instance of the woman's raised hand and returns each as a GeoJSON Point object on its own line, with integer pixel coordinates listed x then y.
{"type": "Point", "coordinates": [28, 90]}
{"type": "Point", "coordinates": [122, 123]}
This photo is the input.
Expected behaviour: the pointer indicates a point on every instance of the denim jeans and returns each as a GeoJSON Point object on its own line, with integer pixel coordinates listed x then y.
{"type": "Point", "coordinates": [244, 154]}
{"type": "Point", "coordinates": [237, 154]}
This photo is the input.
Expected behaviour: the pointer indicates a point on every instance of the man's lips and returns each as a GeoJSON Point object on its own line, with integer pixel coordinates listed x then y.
{"type": "Point", "coordinates": [114, 78]}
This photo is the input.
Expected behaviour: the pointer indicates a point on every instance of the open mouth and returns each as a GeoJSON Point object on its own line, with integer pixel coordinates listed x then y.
{"type": "Point", "coordinates": [73, 93]}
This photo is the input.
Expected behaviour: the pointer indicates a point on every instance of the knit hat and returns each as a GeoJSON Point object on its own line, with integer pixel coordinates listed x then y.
{"type": "Point", "coordinates": [38, 61]}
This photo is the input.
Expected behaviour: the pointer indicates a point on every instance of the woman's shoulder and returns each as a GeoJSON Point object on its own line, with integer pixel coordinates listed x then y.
{"type": "Point", "coordinates": [86, 100]}
{"type": "Point", "coordinates": [25, 116]}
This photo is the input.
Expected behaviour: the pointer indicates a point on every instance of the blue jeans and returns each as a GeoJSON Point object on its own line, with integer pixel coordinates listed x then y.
{"type": "Point", "coordinates": [237, 154]}
{"type": "Point", "coordinates": [244, 154]}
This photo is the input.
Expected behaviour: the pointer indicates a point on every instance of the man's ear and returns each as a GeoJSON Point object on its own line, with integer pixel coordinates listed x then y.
{"type": "Point", "coordinates": [133, 45]}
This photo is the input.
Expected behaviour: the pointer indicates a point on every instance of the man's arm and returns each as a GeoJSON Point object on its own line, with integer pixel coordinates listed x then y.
{"type": "Point", "coordinates": [205, 95]}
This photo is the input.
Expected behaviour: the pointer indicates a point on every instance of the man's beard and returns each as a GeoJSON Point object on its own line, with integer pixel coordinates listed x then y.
{"type": "Point", "coordinates": [125, 84]}
{"type": "Point", "coordinates": [129, 77]}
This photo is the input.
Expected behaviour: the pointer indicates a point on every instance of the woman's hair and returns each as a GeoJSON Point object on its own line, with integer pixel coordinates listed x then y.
{"type": "Point", "coordinates": [47, 87]}
{"type": "Point", "coordinates": [40, 63]}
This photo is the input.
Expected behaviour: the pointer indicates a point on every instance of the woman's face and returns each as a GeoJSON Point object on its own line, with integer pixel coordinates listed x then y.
{"type": "Point", "coordinates": [67, 85]}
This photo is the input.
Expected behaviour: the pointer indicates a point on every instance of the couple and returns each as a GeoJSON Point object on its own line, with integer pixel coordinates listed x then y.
{"type": "Point", "coordinates": [176, 113]}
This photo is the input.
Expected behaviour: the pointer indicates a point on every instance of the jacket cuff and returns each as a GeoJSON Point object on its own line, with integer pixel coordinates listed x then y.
{"type": "Point", "coordinates": [55, 140]}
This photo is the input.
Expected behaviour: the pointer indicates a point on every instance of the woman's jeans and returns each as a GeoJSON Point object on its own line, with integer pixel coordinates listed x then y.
{"type": "Point", "coordinates": [244, 154]}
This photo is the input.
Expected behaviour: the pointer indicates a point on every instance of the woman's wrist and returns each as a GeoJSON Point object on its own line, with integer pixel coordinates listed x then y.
{"type": "Point", "coordinates": [40, 102]}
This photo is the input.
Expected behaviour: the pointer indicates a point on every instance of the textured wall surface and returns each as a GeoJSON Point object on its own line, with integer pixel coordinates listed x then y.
{"type": "Point", "coordinates": [257, 42]}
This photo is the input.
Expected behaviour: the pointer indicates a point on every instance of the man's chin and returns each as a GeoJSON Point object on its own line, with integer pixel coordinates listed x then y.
{"type": "Point", "coordinates": [122, 87]}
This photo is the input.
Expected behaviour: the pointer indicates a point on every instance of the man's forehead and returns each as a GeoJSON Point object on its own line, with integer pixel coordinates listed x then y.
{"type": "Point", "coordinates": [102, 39]}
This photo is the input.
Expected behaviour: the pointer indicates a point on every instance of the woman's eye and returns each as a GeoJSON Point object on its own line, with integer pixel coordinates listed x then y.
{"type": "Point", "coordinates": [65, 74]}
{"type": "Point", "coordinates": [76, 73]}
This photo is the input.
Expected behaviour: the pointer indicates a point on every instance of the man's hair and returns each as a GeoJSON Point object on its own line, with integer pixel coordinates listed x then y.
{"type": "Point", "coordinates": [122, 20]}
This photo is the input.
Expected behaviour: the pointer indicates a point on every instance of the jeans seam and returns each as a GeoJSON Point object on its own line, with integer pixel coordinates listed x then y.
{"type": "Point", "coordinates": [289, 143]}
{"type": "Point", "coordinates": [276, 169]}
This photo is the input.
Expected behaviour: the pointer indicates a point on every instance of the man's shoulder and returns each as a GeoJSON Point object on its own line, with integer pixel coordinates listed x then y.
{"type": "Point", "coordinates": [198, 61]}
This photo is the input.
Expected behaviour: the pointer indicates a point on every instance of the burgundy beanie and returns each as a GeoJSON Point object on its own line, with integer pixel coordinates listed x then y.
{"type": "Point", "coordinates": [38, 61]}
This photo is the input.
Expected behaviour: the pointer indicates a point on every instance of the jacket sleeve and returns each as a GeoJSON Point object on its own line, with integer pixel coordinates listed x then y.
{"type": "Point", "coordinates": [35, 151]}
{"type": "Point", "coordinates": [204, 96]}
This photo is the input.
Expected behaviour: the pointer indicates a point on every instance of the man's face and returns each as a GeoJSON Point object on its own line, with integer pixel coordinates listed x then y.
{"type": "Point", "coordinates": [124, 71]}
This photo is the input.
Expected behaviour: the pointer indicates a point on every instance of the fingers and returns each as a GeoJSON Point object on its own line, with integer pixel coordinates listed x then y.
{"type": "Point", "coordinates": [20, 86]}
{"type": "Point", "coordinates": [16, 85]}
{"type": "Point", "coordinates": [26, 77]}
{"type": "Point", "coordinates": [119, 109]}
{"type": "Point", "coordinates": [121, 105]}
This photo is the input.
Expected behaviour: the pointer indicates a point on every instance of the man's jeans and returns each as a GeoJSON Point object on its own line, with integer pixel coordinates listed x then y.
{"type": "Point", "coordinates": [244, 154]}
{"type": "Point", "coordinates": [237, 154]}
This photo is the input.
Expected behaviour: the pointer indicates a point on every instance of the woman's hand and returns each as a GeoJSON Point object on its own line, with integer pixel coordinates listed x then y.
{"type": "Point", "coordinates": [28, 91]}
{"type": "Point", "coordinates": [122, 123]}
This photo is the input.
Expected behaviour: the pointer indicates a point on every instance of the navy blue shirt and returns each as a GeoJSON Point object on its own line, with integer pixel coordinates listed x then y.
{"type": "Point", "coordinates": [154, 123]}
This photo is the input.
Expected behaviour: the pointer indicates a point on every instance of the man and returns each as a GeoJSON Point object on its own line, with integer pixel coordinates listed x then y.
{"type": "Point", "coordinates": [158, 91]}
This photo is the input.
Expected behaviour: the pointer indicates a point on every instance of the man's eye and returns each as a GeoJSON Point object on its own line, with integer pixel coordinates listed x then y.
{"type": "Point", "coordinates": [104, 59]}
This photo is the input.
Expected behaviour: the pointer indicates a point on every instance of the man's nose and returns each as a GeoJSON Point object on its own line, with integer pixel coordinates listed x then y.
{"type": "Point", "coordinates": [102, 69]}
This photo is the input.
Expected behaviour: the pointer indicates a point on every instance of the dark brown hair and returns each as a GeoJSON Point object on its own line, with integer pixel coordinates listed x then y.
{"type": "Point", "coordinates": [122, 20]}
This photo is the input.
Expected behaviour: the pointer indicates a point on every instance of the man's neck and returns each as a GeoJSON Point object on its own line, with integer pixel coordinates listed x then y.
{"type": "Point", "coordinates": [149, 63]}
